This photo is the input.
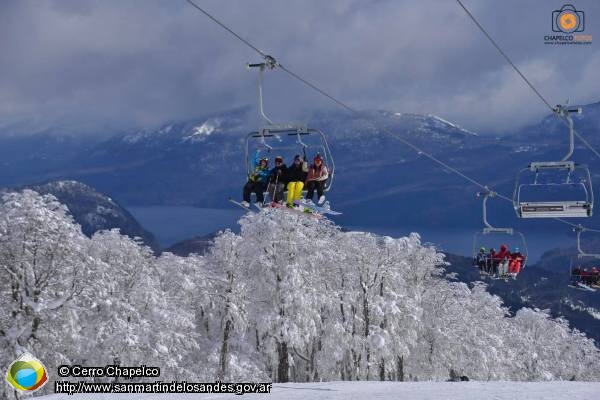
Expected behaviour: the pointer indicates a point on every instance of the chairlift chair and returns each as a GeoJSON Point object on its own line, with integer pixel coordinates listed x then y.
{"type": "Point", "coordinates": [276, 138]}
{"type": "Point", "coordinates": [579, 280]}
{"type": "Point", "coordinates": [482, 238]}
{"type": "Point", "coordinates": [577, 179]}
{"type": "Point", "coordinates": [271, 140]}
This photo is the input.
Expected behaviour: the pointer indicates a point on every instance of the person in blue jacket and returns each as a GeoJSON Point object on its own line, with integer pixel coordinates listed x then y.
{"type": "Point", "coordinates": [257, 179]}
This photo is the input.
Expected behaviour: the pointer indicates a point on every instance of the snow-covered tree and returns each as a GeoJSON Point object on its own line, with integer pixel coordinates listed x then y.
{"type": "Point", "coordinates": [288, 298]}
{"type": "Point", "coordinates": [43, 262]}
{"type": "Point", "coordinates": [548, 349]}
{"type": "Point", "coordinates": [44, 268]}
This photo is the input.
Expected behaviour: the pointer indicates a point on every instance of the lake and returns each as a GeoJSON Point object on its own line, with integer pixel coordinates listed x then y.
{"type": "Point", "coordinates": [171, 224]}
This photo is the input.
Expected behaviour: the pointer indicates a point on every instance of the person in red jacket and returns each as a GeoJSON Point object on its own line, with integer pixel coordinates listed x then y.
{"type": "Point", "coordinates": [586, 276]}
{"type": "Point", "coordinates": [595, 276]}
{"type": "Point", "coordinates": [502, 259]}
{"type": "Point", "coordinates": [515, 264]}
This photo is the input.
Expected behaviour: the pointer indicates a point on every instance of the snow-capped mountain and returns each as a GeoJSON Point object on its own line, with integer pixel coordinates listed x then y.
{"type": "Point", "coordinates": [198, 245]}
{"type": "Point", "coordinates": [201, 163]}
{"type": "Point", "coordinates": [95, 211]}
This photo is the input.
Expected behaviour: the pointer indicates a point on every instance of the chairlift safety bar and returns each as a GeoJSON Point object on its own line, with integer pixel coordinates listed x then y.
{"type": "Point", "coordinates": [539, 165]}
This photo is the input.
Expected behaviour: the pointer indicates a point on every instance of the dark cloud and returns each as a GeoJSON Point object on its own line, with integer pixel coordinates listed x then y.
{"type": "Point", "coordinates": [144, 62]}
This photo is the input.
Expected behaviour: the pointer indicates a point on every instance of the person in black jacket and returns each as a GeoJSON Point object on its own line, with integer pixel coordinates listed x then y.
{"type": "Point", "coordinates": [277, 180]}
{"type": "Point", "coordinates": [576, 275]}
{"type": "Point", "coordinates": [296, 175]}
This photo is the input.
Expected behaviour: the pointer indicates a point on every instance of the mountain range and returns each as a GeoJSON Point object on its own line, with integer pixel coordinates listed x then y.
{"type": "Point", "coordinates": [201, 162]}
{"type": "Point", "coordinates": [379, 181]}
{"type": "Point", "coordinates": [94, 211]}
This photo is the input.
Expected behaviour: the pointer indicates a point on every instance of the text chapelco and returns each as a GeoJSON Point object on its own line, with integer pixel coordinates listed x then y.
{"type": "Point", "coordinates": [109, 371]}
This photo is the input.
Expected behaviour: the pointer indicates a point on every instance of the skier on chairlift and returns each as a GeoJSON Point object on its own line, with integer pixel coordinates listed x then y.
{"type": "Point", "coordinates": [516, 261]}
{"type": "Point", "coordinates": [257, 180]}
{"type": "Point", "coordinates": [481, 259]}
{"type": "Point", "coordinates": [295, 176]}
{"type": "Point", "coordinates": [501, 259]}
{"type": "Point", "coordinates": [595, 276]}
{"type": "Point", "coordinates": [277, 180]}
{"type": "Point", "coordinates": [316, 179]}
{"type": "Point", "coordinates": [585, 276]}
{"type": "Point", "coordinates": [575, 275]}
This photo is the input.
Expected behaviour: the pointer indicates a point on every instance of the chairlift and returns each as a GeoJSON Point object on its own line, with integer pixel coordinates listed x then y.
{"type": "Point", "coordinates": [573, 193]}
{"type": "Point", "coordinates": [580, 277]}
{"type": "Point", "coordinates": [287, 138]}
{"type": "Point", "coordinates": [491, 237]}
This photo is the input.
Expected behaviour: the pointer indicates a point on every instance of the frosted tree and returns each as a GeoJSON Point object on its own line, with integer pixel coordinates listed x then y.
{"type": "Point", "coordinates": [462, 327]}
{"type": "Point", "coordinates": [288, 262]}
{"type": "Point", "coordinates": [383, 280]}
{"type": "Point", "coordinates": [549, 349]}
{"type": "Point", "coordinates": [137, 308]}
{"type": "Point", "coordinates": [224, 303]}
{"type": "Point", "coordinates": [44, 268]}
{"type": "Point", "coordinates": [289, 298]}
{"type": "Point", "coordinates": [42, 259]}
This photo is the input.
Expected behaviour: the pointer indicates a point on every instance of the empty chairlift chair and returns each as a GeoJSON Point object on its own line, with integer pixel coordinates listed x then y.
{"type": "Point", "coordinates": [555, 189]}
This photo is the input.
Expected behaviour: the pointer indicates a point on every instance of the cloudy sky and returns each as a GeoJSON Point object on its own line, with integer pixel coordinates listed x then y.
{"type": "Point", "coordinates": [145, 62]}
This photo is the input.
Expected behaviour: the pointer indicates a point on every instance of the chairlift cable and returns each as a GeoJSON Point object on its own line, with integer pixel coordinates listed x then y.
{"type": "Point", "coordinates": [553, 109]}
{"type": "Point", "coordinates": [372, 120]}
{"type": "Point", "coordinates": [344, 105]}
{"type": "Point", "coordinates": [389, 132]}
{"type": "Point", "coordinates": [247, 43]}
{"type": "Point", "coordinates": [585, 142]}
{"type": "Point", "coordinates": [568, 223]}
{"type": "Point", "coordinates": [505, 55]}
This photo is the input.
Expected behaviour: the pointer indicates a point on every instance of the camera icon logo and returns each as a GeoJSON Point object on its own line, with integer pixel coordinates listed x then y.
{"type": "Point", "coordinates": [568, 19]}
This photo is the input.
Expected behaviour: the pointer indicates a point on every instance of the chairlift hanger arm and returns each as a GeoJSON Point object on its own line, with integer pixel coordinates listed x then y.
{"type": "Point", "coordinates": [269, 63]}
{"type": "Point", "coordinates": [580, 253]}
{"type": "Point", "coordinates": [300, 142]}
{"type": "Point", "coordinates": [488, 227]}
{"type": "Point", "coordinates": [563, 111]}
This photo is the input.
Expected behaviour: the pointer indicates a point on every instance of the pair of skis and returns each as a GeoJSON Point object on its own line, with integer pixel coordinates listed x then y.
{"type": "Point", "coordinates": [583, 286]}
{"type": "Point", "coordinates": [297, 210]}
{"type": "Point", "coordinates": [302, 208]}
{"type": "Point", "coordinates": [316, 208]}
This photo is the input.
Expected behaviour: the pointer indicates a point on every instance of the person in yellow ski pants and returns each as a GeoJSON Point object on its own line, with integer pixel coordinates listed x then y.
{"type": "Point", "coordinates": [296, 175]}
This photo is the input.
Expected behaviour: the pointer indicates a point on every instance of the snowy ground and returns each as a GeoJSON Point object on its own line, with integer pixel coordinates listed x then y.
{"type": "Point", "coordinates": [392, 391]}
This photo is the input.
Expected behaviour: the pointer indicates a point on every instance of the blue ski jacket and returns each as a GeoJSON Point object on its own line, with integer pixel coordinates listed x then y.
{"type": "Point", "coordinates": [258, 173]}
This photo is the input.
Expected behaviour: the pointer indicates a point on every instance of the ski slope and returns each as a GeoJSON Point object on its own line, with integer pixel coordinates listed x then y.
{"type": "Point", "coordinates": [391, 391]}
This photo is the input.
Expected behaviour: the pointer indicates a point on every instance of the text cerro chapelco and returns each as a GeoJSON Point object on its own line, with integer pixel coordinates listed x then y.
{"type": "Point", "coordinates": [110, 371]}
